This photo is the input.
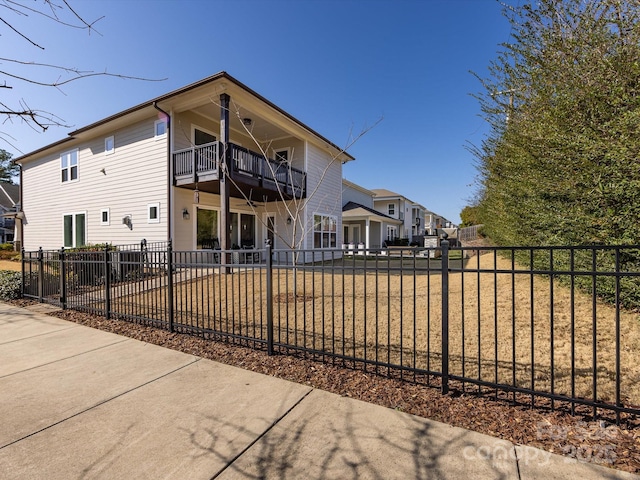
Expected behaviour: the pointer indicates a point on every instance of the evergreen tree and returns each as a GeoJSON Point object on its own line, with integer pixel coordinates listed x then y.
{"type": "Point", "coordinates": [8, 169]}
{"type": "Point", "coordinates": [562, 162]}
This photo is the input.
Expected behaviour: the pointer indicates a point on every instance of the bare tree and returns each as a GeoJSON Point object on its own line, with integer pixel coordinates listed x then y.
{"type": "Point", "coordinates": [294, 208]}
{"type": "Point", "coordinates": [15, 72]}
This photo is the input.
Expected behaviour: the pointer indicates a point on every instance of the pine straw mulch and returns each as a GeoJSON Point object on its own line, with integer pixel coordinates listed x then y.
{"type": "Point", "coordinates": [580, 436]}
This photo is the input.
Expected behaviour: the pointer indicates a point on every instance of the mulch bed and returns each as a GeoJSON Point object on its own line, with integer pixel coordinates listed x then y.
{"type": "Point", "coordinates": [580, 436]}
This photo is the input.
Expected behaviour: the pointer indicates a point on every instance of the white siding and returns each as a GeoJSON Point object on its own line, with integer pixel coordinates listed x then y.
{"type": "Point", "coordinates": [135, 175]}
{"type": "Point", "coordinates": [324, 191]}
{"type": "Point", "coordinates": [350, 194]}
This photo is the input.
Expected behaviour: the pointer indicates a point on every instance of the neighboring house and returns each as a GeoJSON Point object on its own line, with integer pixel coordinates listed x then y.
{"type": "Point", "coordinates": [361, 223]}
{"type": "Point", "coordinates": [156, 171]}
{"type": "Point", "coordinates": [410, 214]}
{"type": "Point", "coordinates": [9, 200]}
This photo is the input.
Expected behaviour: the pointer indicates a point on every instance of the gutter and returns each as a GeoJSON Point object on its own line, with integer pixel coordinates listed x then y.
{"type": "Point", "coordinates": [169, 171]}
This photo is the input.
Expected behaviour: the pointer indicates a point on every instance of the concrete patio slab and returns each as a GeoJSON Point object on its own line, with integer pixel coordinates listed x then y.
{"type": "Point", "coordinates": [189, 424]}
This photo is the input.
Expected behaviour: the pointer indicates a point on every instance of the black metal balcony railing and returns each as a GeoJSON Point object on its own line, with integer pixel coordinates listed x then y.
{"type": "Point", "coordinates": [200, 163]}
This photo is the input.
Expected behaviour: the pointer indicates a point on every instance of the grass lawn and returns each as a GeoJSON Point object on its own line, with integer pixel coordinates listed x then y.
{"type": "Point", "coordinates": [501, 326]}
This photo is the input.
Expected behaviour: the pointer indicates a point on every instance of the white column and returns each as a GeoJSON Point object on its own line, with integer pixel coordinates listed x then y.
{"type": "Point", "coordinates": [366, 235]}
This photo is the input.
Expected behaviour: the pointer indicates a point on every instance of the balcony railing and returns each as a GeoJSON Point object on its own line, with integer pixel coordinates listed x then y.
{"type": "Point", "coordinates": [200, 163]}
{"type": "Point", "coordinates": [196, 161]}
{"type": "Point", "coordinates": [271, 174]}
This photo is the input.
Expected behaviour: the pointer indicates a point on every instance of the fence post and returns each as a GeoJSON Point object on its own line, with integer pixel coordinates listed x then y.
{"type": "Point", "coordinates": [63, 280]}
{"type": "Point", "coordinates": [444, 244]}
{"type": "Point", "coordinates": [40, 274]}
{"type": "Point", "coordinates": [23, 269]}
{"type": "Point", "coordinates": [170, 285]}
{"type": "Point", "coordinates": [269, 294]}
{"type": "Point", "coordinates": [107, 283]}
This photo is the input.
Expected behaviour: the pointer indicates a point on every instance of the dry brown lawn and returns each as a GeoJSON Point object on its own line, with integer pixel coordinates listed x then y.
{"type": "Point", "coordinates": [501, 332]}
{"type": "Point", "coordinates": [10, 265]}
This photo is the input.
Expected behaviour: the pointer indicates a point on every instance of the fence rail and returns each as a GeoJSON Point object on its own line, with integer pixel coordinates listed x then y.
{"type": "Point", "coordinates": [545, 326]}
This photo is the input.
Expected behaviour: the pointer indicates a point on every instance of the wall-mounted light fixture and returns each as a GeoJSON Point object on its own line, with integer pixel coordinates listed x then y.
{"type": "Point", "coordinates": [247, 121]}
{"type": "Point", "coordinates": [289, 220]}
{"type": "Point", "coordinates": [185, 214]}
{"type": "Point", "coordinates": [126, 220]}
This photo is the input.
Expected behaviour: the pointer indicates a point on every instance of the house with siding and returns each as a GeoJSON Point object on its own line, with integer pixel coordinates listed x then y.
{"type": "Point", "coordinates": [413, 222]}
{"type": "Point", "coordinates": [210, 165]}
{"type": "Point", "coordinates": [9, 203]}
{"type": "Point", "coordinates": [362, 224]}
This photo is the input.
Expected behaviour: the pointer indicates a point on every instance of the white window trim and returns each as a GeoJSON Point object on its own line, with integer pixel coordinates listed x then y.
{"type": "Point", "coordinates": [389, 207]}
{"type": "Point", "coordinates": [102, 222]}
{"type": "Point", "coordinates": [285, 149]}
{"type": "Point", "coordinates": [113, 145]}
{"type": "Point", "coordinates": [73, 227]}
{"type": "Point", "coordinates": [155, 129]}
{"type": "Point", "coordinates": [69, 167]}
{"type": "Point", "coordinates": [322, 232]}
{"type": "Point", "coordinates": [205, 130]}
{"type": "Point", "coordinates": [149, 207]}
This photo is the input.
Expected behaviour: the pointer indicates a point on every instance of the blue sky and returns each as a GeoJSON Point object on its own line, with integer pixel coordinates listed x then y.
{"type": "Point", "coordinates": [336, 65]}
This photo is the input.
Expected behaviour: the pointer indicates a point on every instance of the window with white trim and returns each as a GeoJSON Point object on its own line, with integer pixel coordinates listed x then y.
{"type": "Point", "coordinates": [324, 231]}
{"type": "Point", "coordinates": [281, 155]}
{"type": "Point", "coordinates": [104, 216]}
{"type": "Point", "coordinates": [69, 166]}
{"type": "Point", "coordinates": [74, 227]}
{"type": "Point", "coordinates": [109, 145]}
{"type": "Point", "coordinates": [160, 128]}
{"type": "Point", "coordinates": [392, 233]}
{"type": "Point", "coordinates": [392, 209]}
{"type": "Point", "coordinates": [153, 213]}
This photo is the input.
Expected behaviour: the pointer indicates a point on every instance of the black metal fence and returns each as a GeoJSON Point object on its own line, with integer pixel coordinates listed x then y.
{"type": "Point", "coordinates": [549, 327]}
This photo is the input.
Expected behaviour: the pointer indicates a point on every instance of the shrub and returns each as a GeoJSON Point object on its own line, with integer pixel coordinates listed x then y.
{"type": "Point", "coordinates": [6, 246]}
{"type": "Point", "coordinates": [9, 285]}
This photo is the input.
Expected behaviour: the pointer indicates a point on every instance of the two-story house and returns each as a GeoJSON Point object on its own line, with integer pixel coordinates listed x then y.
{"type": "Point", "coordinates": [210, 165]}
{"type": "Point", "coordinates": [9, 199]}
{"type": "Point", "coordinates": [411, 214]}
{"type": "Point", "coordinates": [362, 224]}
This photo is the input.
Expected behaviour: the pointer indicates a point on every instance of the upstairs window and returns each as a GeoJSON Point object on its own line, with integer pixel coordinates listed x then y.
{"type": "Point", "coordinates": [69, 166]}
{"type": "Point", "coordinates": [160, 128]}
{"type": "Point", "coordinates": [392, 209]}
{"type": "Point", "coordinates": [109, 145]}
{"type": "Point", "coordinates": [282, 155]}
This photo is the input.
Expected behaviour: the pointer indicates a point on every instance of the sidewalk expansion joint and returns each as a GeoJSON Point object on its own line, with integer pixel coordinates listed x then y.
{"type": "Point", "coordinates": [262, 435]}
{"type": "Point", "coordinates": [40, 335]}
{"type": "Point", "coordinates": [515, 455]}
{"type": "Point", "coordinates": [66, 358]}
{"type": "Point", "coordinates": [102, 402]}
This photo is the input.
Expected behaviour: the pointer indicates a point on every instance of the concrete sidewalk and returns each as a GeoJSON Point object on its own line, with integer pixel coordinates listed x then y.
{"type": "Point", "coordinates": [82, 403]}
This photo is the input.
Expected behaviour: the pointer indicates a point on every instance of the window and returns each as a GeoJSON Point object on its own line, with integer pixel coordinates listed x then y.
{"type": "Point", "coordinates": [281, 155]}
{"type": "Point", "coordinates": [324, 231]}
{"type": "Point", "coordinates": [392, 233]}
{"type": "Point", "coordinates": [160, 128]}
{"type": "Point", "coordinates": [202, 137]}
{"type": "Point", "coordinates": [74, 230]}
{"type": "Point", "coordinates": [109, 145]}
{"type": "Point", "coordinates": [69, 166]}
{"type": "Point", "coordinates": [392, 209]}
{"type": "Point", "coordinates": [153, 213]}
{"type": "Point", "coordinates": [104, 216]}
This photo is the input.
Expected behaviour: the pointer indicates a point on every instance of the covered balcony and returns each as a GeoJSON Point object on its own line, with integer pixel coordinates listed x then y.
{"type": "Point", "coordinates": [251, 173]}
